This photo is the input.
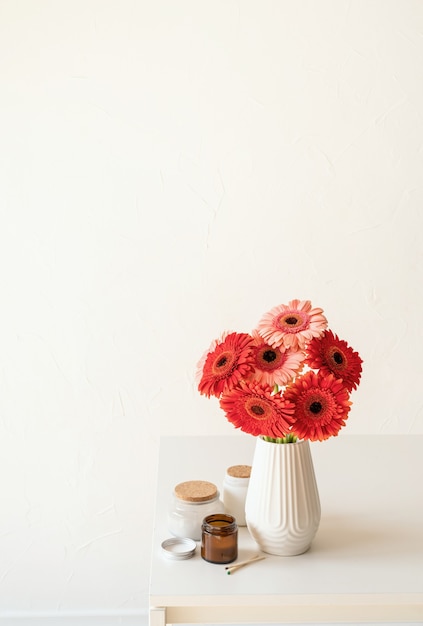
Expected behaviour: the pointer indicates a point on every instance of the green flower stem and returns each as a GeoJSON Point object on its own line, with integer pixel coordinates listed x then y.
{"type": "Point", "coordinates": [290, 438]}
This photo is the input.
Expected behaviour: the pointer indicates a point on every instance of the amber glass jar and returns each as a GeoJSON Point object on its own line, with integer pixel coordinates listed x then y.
{"type": "Point", "coordinates": [219, 538]}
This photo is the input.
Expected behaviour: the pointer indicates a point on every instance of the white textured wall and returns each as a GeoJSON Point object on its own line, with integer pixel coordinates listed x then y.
{"type": "Point", "coordinates": [170, 170]}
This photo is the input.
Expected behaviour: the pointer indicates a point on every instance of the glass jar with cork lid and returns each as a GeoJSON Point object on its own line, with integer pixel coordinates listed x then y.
{"type": "Point", "coordinates": [235, 486]}
{"type": "Point", "coordinates": [192, 501]}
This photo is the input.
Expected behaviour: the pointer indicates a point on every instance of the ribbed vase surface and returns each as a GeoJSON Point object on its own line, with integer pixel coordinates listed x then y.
{"type": "Point", "coordinates": [282, 507]}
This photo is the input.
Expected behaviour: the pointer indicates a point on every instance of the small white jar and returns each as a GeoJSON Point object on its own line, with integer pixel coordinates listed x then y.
{"type": "Point", "coordinates": [192, 501]}
{"type": "Point", "coordinates": [235, 486]}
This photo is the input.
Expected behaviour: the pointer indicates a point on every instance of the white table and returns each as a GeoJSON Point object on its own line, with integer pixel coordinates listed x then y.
{"type": "Point", "coordinates": [365, 563]}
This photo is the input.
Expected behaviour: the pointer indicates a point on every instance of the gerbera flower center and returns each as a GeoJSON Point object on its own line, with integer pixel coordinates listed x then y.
{"type": "Point", "coordinates": [258, 408]}
{"type": "Point", "coordinates": [269, 356]}
{"type": "Point", "coordinates": [268, 359]}
{"type": "Point", "coordinates": [338, 358]}
{"type": "Point", "coordinates": [316, 407]}
{"type": "Point", "coordinates": [291, 320]}
{"type": "Point", "coordinates": [224, 363]}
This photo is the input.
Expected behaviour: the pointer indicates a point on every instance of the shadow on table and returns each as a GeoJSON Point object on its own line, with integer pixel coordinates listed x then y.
{"type": "Point", "coordinates": [346, 534]}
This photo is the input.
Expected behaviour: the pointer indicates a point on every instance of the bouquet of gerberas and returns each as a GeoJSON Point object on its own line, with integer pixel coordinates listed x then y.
{"type": "Point", "coordinates": [289, 378]}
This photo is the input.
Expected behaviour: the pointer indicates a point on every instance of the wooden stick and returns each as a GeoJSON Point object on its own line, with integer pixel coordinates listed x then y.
{"type": "Point", "coordinates": [233, 568]}
{"type": "Point", "coordinates": [253, 558]}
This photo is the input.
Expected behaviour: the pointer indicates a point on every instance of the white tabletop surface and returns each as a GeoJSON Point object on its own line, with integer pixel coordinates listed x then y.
{"type": "Point", "coordinates": [370, 539]}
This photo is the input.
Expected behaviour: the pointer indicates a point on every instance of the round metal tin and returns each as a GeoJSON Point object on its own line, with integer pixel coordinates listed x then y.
{"type": "Point", "coordinates": [179, 549]}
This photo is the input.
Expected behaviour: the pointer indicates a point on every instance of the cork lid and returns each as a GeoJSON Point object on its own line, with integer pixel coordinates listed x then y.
{"type": "Point", "coordinates": [196, 491]}
{"type": "Point", "coordinates": [239, 471]}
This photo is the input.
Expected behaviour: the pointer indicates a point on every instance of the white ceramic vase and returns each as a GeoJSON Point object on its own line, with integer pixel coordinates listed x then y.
{"type": "Point", "coordinates": [282, 507]}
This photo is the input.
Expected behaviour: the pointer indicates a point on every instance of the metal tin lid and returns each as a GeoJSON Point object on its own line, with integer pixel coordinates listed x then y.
{"type": "Point", "coordinates": [179, 549]}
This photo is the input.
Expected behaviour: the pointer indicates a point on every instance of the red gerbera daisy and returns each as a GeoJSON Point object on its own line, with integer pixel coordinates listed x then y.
{"type": "Point", "coordinates": [226, 364]}
{"type": "Point", "coordinates": [251, 407]}
{"type": "Point", "coordinates": [321, 405]}
{"type": "Point", "coordinates": [334, 356]}
{"type": "Point", "coordinates": [272, 366]}
{"type": "Point", "coordinates": [292, 325]}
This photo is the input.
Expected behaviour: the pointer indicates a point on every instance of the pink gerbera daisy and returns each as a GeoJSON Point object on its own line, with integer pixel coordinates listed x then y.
{"type": "Point", "coordinates": [273, 366]}
{"type": "Point", "coordinates": [251, 407]}
{"type": "Point", "coordinates": [292, 325]}
{"type": "Point", "coordinates": [334, 356]}
{"type": "Point", "coordinates": [226, 364]}
{"type": "Point", "coordinates": [321, 405]}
